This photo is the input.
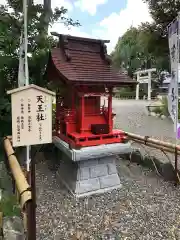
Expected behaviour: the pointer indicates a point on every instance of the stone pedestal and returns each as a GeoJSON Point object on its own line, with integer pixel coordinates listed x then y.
{"type": "Point", "coordinates": [13, 229]}
{"type": "Point", "coordinates": [90, 170]}
{"type": "Point", "coordinates": [89, 177]}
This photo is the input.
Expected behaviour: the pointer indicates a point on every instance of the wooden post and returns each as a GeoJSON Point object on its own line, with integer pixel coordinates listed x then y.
{"type": "Point", "coordinates": [1, 223]}
{"type": "Point", "coordinates": [110, 110]}
{"type": "Point", "coordinates": [176, 167]}
{"type": "Point", "coordinates": [33, 191]}
{"type": "Point", "coordinates": [82, 114]}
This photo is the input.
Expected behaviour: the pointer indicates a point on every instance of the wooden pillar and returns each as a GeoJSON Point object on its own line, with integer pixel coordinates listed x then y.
{"type": "Point", "coordinates": [72, 99]}
{"type": "Point", "coordinates": [110, 111]}
{"type": "Point", "coordinates": [82, 114]}
{"type": "Point", "coordinates": [57, 126]}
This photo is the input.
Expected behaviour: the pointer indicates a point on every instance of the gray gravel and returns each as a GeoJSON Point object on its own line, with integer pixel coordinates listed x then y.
{"type": "Point", "coordinates": [131, 116]}
{"type": "Point", "coordinates": [145, 207]}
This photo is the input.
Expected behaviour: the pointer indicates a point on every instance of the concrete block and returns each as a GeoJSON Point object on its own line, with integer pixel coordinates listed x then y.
{"type": "Point", "coordinates": [112, 168]}
{"type": "Point", "coordinates": [106, 160]}
{"type": "Point", "coordinates": [13, 228]}
{"type": "Point", "coordinates": [98, 170]}
{"type": "Point", "coordinates": [87, 177]}
{"type": "Point", "coordinates": [87, 186]}
{"type": "Point", "coordinates": [89, 163]}
{"type": "Point", "coordinates": [84, 173]}
{"type": "Point", "coordinates": [93, 152]}
{"type": "Point", "coordinates": [109, 181]}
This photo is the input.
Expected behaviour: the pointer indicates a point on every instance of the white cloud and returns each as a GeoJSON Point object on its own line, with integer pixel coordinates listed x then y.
{"type": "Point", "coordinates": [111, 27]}
{"type": "Point", "coordinates": [89, 5]}
{"type": "Point", "coordinates": [74, 31]}
{"type": "Point", "coordinates": [3, 2]}
{"type": "Point", "coordinates": [57, 3]}
{"type": "Point", "coordinates": [54, 3]}
{"type": "Point", "coordinates": [116, 24]}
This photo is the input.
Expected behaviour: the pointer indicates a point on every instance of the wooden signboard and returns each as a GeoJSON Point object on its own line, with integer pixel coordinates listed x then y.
{"type": "Point", "coordinates": [31, 115]}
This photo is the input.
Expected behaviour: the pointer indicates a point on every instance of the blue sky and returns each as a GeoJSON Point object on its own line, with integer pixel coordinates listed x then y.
{"type": "Point", "coordinates": [104, 19]}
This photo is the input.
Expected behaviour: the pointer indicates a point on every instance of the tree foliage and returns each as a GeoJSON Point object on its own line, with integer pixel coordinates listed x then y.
{"type": "Point", "coordinates": [39, 43]}
{"type": "Point", "coordinates": [147, 45]}
{"type": "Point", "coordinates": [163, 12]}
{"type": "Point", "coordinates": [132, 51]}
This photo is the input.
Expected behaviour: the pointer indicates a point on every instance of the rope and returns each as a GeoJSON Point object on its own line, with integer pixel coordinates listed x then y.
{"type": "Point", "coordinates": [146, 139]}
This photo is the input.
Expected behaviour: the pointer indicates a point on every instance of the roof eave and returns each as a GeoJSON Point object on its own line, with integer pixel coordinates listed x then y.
{"type": "Point", "coordinates": [109, 83]}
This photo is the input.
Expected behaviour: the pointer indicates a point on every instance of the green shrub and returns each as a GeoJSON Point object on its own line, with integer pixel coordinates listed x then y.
{"type": "Point", "coordinates": [163, 110]}
{"type": "Point", "coordinates": [165, 106]}
{"type": "Point", "coordinates": [9, 206]}
{"type": "Point", "coordinates": [157, 110]}
{"type": "Point", "coordinates": [125, 93]}
{"type": "Point", "coordinates": [129, 93]}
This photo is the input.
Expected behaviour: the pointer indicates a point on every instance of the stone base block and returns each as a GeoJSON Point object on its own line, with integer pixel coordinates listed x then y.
{"type": "Point", "coordinates": [92, 152]}
{"type": "Point", "coordinates": [13, 229]}
{"type": "Point", "coordinates": [89, 177]}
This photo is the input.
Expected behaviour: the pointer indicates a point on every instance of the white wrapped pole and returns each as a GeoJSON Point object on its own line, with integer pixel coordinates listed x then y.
{"type": "Point", "coordinates": [26, 69]}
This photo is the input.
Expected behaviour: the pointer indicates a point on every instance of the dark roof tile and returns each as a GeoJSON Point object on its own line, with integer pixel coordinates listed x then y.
{"type": "Point", "coordinates": [87, 62]}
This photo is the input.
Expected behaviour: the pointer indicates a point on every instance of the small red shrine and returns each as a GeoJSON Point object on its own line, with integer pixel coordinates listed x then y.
{"type": "Point", "coordinates": [82, 72]}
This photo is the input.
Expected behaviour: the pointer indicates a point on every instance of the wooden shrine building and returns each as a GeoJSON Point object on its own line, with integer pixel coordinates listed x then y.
{"type": "Point", "coordinates": [82, 73]}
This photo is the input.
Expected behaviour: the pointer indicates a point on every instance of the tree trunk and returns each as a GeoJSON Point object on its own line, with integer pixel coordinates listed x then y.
{"type": "Point", "coordinates": [30, 3]}
{"type": "Point", "coordinates": [48, 13]}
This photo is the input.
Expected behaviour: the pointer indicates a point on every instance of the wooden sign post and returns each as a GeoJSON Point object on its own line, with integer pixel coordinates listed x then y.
{"type": "Point", "coordinates": [31, 125]}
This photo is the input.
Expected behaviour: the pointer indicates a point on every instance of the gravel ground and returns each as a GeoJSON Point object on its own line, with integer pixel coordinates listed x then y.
{"type": "Point", "coordinates": [145, 207]}
{"type": "Point", "coordinates": [132, 116]}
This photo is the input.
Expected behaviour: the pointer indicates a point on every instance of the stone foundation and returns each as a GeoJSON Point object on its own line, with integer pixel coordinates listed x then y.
{"type": "Point", "coordinates": [89, 177]}
{"type": "Point", "coordinates": [90, 170]}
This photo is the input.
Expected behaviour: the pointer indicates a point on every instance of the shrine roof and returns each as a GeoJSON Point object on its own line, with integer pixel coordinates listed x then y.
{"type": "Point", "coordinates": [85, 60]}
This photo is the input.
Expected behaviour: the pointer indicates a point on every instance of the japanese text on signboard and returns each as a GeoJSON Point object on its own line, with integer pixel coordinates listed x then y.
{"type": "Point", "coordinates": [41, 112]}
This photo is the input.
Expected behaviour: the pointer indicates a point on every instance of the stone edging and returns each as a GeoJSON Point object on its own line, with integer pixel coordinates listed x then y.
{"type": "Point", "coordinates": [158, 115]}
{"type": "Point", "coordinates": [165, 169]}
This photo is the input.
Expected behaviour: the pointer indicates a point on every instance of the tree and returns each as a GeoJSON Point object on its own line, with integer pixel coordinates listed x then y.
{"type": "Point", "coordinates": [131, 51]}
{"type": "Point", "coordinates": [163, 12]}
{"type": "Point", "coordinates": [151, 39]}
{"type": "Point", "coordinates": [39, 43]}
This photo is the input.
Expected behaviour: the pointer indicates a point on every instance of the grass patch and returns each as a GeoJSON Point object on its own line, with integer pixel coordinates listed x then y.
{"type": "Point", "coordinates": [163, 109]}
{"type": "Point", "coordinates": [9, 206]}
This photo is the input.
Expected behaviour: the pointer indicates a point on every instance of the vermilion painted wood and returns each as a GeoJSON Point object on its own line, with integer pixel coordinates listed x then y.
{"type": "Point", "coordinates": [84, 68]}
